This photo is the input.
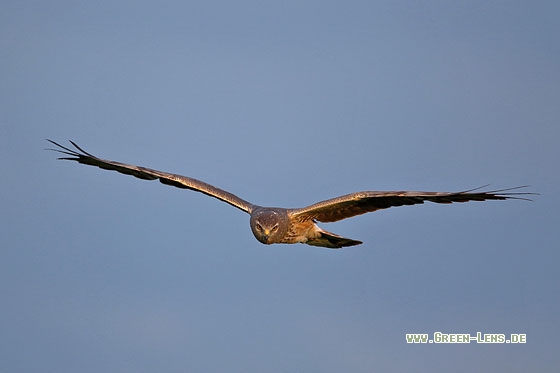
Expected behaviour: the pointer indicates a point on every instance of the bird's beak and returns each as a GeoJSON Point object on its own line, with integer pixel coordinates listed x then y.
{"type": "Point", "coordinates": [266, 234]}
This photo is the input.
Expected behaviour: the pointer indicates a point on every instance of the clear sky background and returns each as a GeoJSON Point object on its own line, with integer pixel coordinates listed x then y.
{"type": "Point", "coordinates": [284, 103]}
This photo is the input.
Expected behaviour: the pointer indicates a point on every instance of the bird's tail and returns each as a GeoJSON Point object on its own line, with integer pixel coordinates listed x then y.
{"type": "Point", "coordinates": [331, 240]}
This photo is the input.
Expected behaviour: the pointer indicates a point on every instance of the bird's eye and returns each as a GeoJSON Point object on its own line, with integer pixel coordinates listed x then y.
{"type": "Point", "coordinates": [259, 228]}
{"type": "Point", "coordinates": [275, 228]}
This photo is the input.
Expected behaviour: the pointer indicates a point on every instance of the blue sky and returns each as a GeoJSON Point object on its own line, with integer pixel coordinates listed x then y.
{"type": "Point", "coordinates": [285, 104]}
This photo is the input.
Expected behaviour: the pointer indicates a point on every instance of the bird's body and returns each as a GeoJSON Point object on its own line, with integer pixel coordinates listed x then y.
{"type": "Point", "coordinates": [297, 225]}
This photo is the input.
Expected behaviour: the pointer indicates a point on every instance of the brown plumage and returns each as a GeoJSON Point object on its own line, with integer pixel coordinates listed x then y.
{"type": "Point", "coordinates": [279, 225]}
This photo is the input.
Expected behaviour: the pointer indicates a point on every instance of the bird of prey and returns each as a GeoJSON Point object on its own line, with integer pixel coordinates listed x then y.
{"type": "Point", "coordinates": [294, 225]}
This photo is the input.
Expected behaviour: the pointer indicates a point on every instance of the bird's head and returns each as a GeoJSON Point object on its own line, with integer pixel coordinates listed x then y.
{"type": "Point", "coordinates": [269, 225]}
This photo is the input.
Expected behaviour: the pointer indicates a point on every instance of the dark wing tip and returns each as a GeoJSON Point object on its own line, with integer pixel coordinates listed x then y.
{"type": "Point", "coordinates": [64, 150]}
{"type": "Point", "coordinates": [507, 193]}
{"type": "Point", "coordinates": [74, 155]}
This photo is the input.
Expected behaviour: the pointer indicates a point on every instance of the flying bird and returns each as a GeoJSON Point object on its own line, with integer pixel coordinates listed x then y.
{"type": "Point", "coordinates": [295, 225]}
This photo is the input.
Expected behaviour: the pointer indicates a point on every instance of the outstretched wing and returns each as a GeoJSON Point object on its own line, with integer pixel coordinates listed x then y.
{"type": "Point", "coordinates": [81, 156]}
{"type": "Point", "coordinates": [361, 202]}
